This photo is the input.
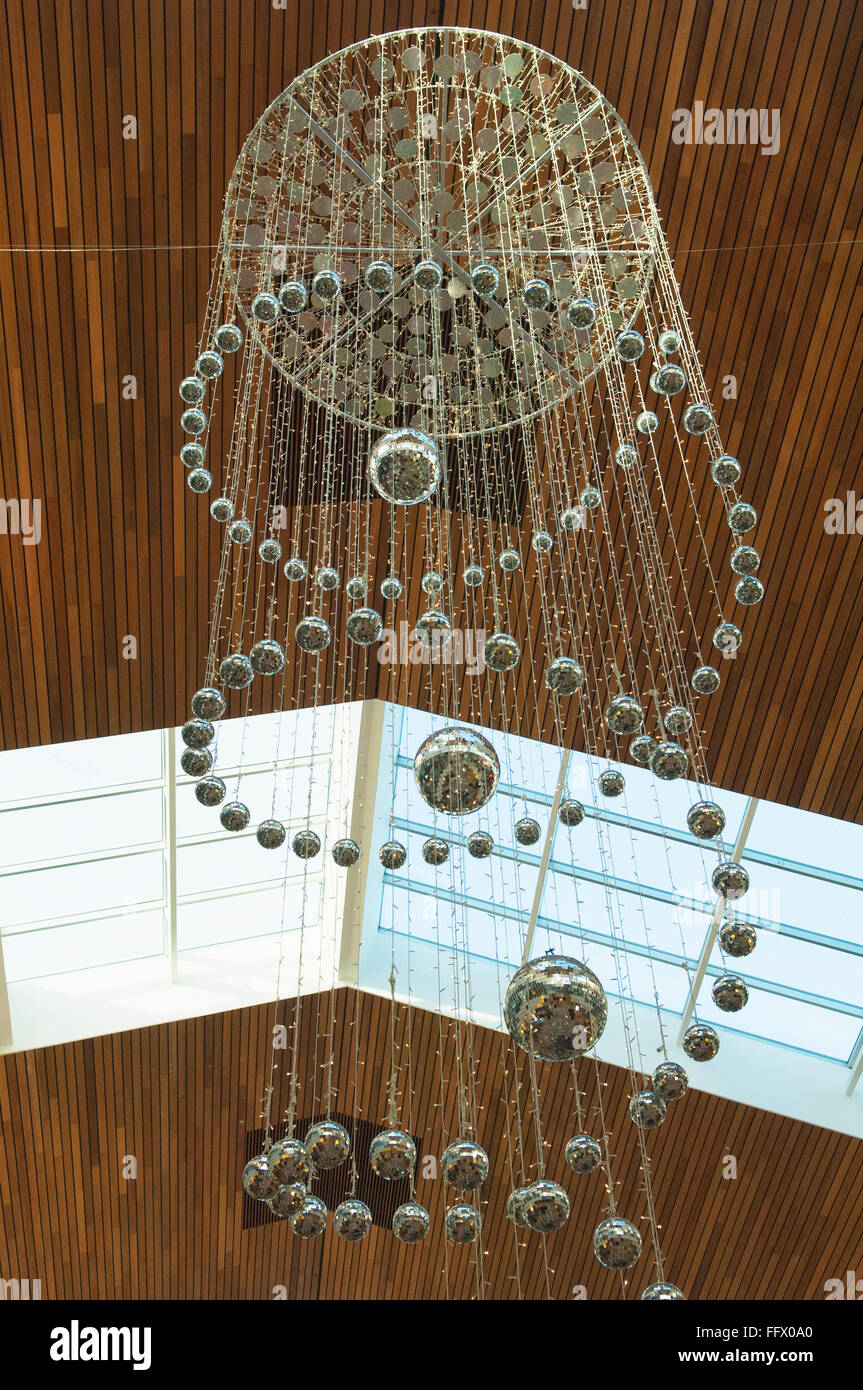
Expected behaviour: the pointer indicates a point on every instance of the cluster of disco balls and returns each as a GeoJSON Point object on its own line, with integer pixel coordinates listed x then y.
{"type": "Point", "coordinates": [281, 1177]}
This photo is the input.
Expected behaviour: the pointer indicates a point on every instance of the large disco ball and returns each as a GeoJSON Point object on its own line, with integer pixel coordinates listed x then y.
{"type": "Point", "coordinates": [310, 1220]}
{"type": "Point", "coordinates": [258, 1180]}
{"type": "Point", "coordinates": [464, 1165]}
{"type": "Point", "coordinates": [410, 1223]}
{"type": "Point", "coordinates": [289, 1161]}
{"type": "Point", "coordinates": [616, 1243]}
{"type": "Point", "coordinates": [456, 770]}
{"type": "Point", "coordinates": [663, 1293]}
{"type": "Point", "coordinates": [392, 1154]}
{"type": "Point", "coordinates": [328, 1144]}
{"type": "Point", "coordinates": [405, 467]}
{"type": "Point", "coordinates": [288, 1200]}
{"type": "Point", "coordinates": [547, 1206]}
{"type": "Point", "coordinates": [462, 1224]}
{"type": "Point", "coordinates": [583, 1153]}
{"type": "Point", "coordinates": [516, 1206]}
{"type": "Point", "coordinates": [352, 1220]}
{"type": "Point", "coordinates": [555, 1007]}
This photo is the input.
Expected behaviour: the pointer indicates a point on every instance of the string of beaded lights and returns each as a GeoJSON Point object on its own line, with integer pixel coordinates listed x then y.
{"type": "Point", "coordinates": [448, 311]}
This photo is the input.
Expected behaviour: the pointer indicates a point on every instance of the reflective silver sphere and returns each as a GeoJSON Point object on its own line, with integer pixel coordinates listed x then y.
{"type": "Point", "coordinates": [192, 454]}
{"type": "Point", "coordinates": [701, 1042]}
{"type": "Point", "coordinates": [287, 1200]}
{"type": "Point", "coordinates": [456, 770]}
{"type": "Point", "coordinates": [730, 993]}
{"type": "Point", "coordinates": [546, 1207]}
{"type": "Point", "coordinates": [730, 879]}
{"type": "Point", "coordinates": [536, 294]}
{"type": "Point", "coordinates": [527, 831]}
{"type": "Point", "coordinates": [663, 1293]}
{"type": "Point", "coordinates": [312, 634]}
{"type": "Point", "coordinates": [228, 337]}
{"type": "Point", "coordinates": [210, 791]}
{"type": "Point", "coordinates": [234, 816]}
{"type": "Point", "coordinates": [642, 748]}
{"type": "Point", "coordinates": [725, 471]}
{"type": "Point", "coordinates": [197, 733]}
{"type": "Point", "coordinates": [555, 1006]}
{"type": "Point", "coordinates": [542, 542]}
{"type": "Point", "coordinates": [327, 578]}
{"type": "Point", "coordinates": [485, 280]}
{"type": "Point", "coordinates": [745, 560]}
{"type": "Point", "coordinates": [289, 1162]}
{"type": "Point", "coordinates": [294, 569]}
{"type": "Point", "coordinates": [669, 342]}
{"type": "Point", "coordinates": [624, 715]}
{"type": "Point", "coordinates": [356, 587]}
{"type": "Point", "coordinates": [209, 365]}
{"type": "Point", "coordinates": [705, 679]}
{"type": "Point", "coordinates": [617, 1243]}
{"type": "Point", "coordinates": [327, 285]}
{"type": "Point", "coordinates": [706, 820]}
{"type": "Point", "coordinates": [583, 1153]}
{"type": "Point", "coordinates": [328, 1144]}
{"type": "Point", "coordinates": [240, 531]}
{"type": "Point", "coordinates": [221, 509]}
{"type": "Point", "coordinates": [749, 590]}
{"type": "Point", "coordinates": [346, 853]}
{"type": "Point", "coordinates": [379, 276]}
{"type": "Point", "coordinates": [646, 421]}
{"type": "Point", "coordinates": [293, 296]}
{"type": "Point", "coordinates": [192, 391]}
{"type": "Point", "coordinates": [196, 762]}
{"type": "Point", "coordinates": [647, 1109]}
{"type": "Point", "coordinates": [257, 1179]}
{"type": "Point", "coordinates": [629, 345]}
{"type": "Point", "coordinates": [265, 307]}
{"type": "Point", "coordinates": [480, 844]}
{"type": "Point", "coordinates": [581, 313]}
{"type": "Point", "coordinates": [462, 1224]}
{"type": "Point", "coordinates": [428, 275]}
{"type": "Point", "coordinates": [410, 1223]}
{"type": "Point", "coordinates": [670, 1081]}
{"type": "Point", "coordinates": [668, 761]}
{"type": "Point", "coordinates": [501, 651]}
{"type": "Point", "coordinates": [564, 676]}
{"type": "Point", "coordinates": [515, 1206]}
{"type": "Point", "coordinates": [391, 587]}
{"type": "Point", "coordinates": [626, 456]}
{"type": "Point", "coordinates": [267, 656]}
{"type": "Point", "coordinates": [697, 418]}
{"type": "Point", "coordinates": [590, 498]}
{"type": "Point", "coordinates": [352, 1220]}
{"type": "Point", "coordinates": [473, 576]}
{"type": "Point", "coordinates": [199, 480]}
{"type": "Point", "coordinates": [236, 671]}
{"type": "Point", "coordinates": [405, 467]}
{"type": "Point", "coordinates": [432, 582]}
{"type": "Point", "coordinates": [270, 550]}
{"type": "Point", "coordinates": [737, 938]}
{"type": "Point", "coordinates": [435, 851]}
{"type": "Point", "coordinates": [610, 783]}
{"type": "Point", "coordinates": [392, 855]}
{"type": "Point", "coordinates": [306, 844]}
{"type": "Point", "coordinates": [270, 834]}
{"type": "Point", "coordinates": [742, 517]}
{"type": "Point", "coordinates": [193, 421]}
{"type": "Point", "coordinates": [310, 1220]}
{"type": "Point", "coordinates": [677, 720]}
{"type": "Point", "coordinates": [433, 630]}
{"type": "Point", "coordinates": [392, 1154]}
{"type": "Point", "coordinates": [668, 379]}
{"type": "Point", "coordinates": [464, 1165]}
{"type": "Point", "coordinates": [571, 812]}
{"type": "Point", "coordinates": [364, 626]}
{"type": "Point", "coordinates": [509, 560]}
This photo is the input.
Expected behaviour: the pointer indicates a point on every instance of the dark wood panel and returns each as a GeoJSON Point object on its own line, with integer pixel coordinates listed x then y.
{"type": "Point", "coordinates": [184, 1097]}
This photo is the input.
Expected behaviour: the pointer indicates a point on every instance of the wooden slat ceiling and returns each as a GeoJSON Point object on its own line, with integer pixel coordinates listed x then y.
{"type": "Point", "coordinates": [768, 250]}
{"type": "Point", "coordinates": [181, 1098]}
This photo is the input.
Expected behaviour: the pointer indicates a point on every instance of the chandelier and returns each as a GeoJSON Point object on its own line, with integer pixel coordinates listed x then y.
{"type": "Point", "coordinates": [454, 342]}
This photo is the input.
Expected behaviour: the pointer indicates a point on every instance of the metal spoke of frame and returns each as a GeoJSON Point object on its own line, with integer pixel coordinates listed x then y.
{"type": "Point", "coordinates": [716, 919]}
{"type": "Point", "coordinates": [546, 855]}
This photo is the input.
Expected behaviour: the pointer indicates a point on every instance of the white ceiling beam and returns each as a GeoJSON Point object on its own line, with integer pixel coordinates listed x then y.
{"type": "Point", "coordinates": [546, 854]}
{"type": "Point", "coordinates": [366, 778]}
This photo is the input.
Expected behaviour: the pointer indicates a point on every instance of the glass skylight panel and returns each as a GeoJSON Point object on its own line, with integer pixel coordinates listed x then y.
{"type": "Point", "coordinates": [227, 864]}
{"type": "Point", "coordinates": [582, 905]}
{"type": "Point", "coordinates": [30, 955]}
{"type": "Point", "coordinates": [124, 882]}
{"type": "Point", "coordinates": [441, 923]}
{"type": "Point", "coordinates": [242, 916]}
{"type": "Point", "coordinates": [806, 838]}
{"type": "Point", "coordinates": [59, 769]}
{"type": "Point", "coordinates": [302, 793]}
{"type": "Point", "coordinates": [635, 857]}
{"type": "Point", "coordinates": [774, 1018]}
{"type": "Point", "coordinates": [65, 829]}
{"type": "Point", "coordinates": [834, 975]}
{"type": "Point", "coordinates": [266, 738]}
{"type": "Point", "coordinates": [827, 909]}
